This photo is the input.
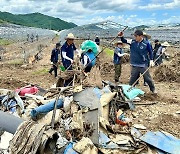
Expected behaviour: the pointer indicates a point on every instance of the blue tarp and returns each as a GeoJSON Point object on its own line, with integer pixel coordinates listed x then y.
{"type": "Point", "coordinates": [132, 93]}
{"type": "Point", "coordinates": [44, 109]}
{"type": "Point", "coordinates": [163, 141]}
{"type": "Point", "coordinates": [69, 149]}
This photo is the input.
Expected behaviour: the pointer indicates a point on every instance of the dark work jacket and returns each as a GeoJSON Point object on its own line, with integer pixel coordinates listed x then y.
{"type": "Point", "coordinates": [116, 58]}
{"type": "Point", "coordinates": [69, 49]}
{"type": "Point", "coordinates": [97, 40]}
{"type": "Point", "coordinates": [139, 52]}
{"type": "Point", "coordinates": [54, 55]}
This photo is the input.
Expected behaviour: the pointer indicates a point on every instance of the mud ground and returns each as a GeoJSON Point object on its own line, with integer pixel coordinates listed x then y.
{"type": "Point", "coordinates": [160, 116]}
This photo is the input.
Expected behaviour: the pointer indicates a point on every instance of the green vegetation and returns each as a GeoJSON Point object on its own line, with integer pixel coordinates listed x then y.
{"type": "Point", "coordinates": [16, 62]}
{"type": "Point", "coordinates": [2, 21]}
{"type": "Point", "coordinates": [41, 71]}
{"type": "Point", "coordinates": [109, 52]}
{"type": "Point", "coordinates": [5, 42]}
{"type": "Point", "coordinates": [36, 20]}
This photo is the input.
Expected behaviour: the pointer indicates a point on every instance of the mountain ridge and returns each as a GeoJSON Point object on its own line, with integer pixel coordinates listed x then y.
{"type": "Point", "coordinates": [37, 20]}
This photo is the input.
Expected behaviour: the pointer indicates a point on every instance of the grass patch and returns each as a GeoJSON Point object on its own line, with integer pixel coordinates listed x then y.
{"type": "Point", "coordinates": [16, 62]}
{"type": "Point", "coordinates": [2, 21]}
{"type": "Point", "coordinates": [5, 41]}
{"type": "Point", "coordinates": [41, 71]}
{"type": "Point", "coordinates": [109, 52]}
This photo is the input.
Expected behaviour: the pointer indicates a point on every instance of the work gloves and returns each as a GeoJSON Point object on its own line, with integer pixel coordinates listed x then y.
{"type": "Point", "coordinates": [151, 63]}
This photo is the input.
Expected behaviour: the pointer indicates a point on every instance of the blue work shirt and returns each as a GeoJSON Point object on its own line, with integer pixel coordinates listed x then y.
{"type": "Point", "coordinates": [54, 55]}
{"type": "Point", "coordinates": [69, 49]}
{"type": "Point", "coordinates": [140, 52]}
{"type": "Point", "coordinates": [116, 58]}
{"type": "Point", "coordinates": [91, 58]}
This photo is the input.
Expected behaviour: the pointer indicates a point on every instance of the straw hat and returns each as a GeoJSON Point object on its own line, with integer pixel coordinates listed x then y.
{"type": "Point", "coordinates": [70, 36]}
{"type": "Point", "coordinates": [118, 42]}
{"type": "Point", "coordinates": [166, 44]}
{"type": "Point", "coordinates": [146, 35]}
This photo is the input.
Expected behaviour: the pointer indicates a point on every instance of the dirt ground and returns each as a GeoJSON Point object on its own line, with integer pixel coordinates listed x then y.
{"type": "Point", "coordinates": [160, 116]}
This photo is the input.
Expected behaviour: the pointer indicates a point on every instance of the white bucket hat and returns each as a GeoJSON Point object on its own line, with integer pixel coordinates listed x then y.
{"type": "Point", "coordinates": [70, 36]}
{"type": "Point", "coordinates": [118, 42]}
{"type": "Point", "coordinates": [166, 44]}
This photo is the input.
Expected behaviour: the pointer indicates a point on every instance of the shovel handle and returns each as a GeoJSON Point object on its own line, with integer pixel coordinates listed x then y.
{"type": "Point", "coordinates": [143, 74]}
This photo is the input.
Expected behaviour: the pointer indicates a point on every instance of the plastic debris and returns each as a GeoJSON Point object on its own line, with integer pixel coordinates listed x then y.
{"type": "Point", "coordinates": [132, 93]}
{"type": "Point", "coordinates": [163, 141]}
{"type": "Point", "coordinates": [139, 126]}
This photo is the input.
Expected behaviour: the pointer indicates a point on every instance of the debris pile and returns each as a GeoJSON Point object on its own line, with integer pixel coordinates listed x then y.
{"type": "Point", "coordinates": [83, 118]}
{"type": "Point", "coordinates": [170, 71]}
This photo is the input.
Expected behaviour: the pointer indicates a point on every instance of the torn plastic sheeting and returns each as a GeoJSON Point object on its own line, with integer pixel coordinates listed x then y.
{"type": "Point", "coordinates": [27, 90]}
{"type": "Point", "coordinates": [136, 134]}
{"type": "Point", "coordinates": [9, 122]}
{"type": "Point", "coordinates": [121, 139]}
{"type": "Point", "coordinates": [69, 149]}
{"type": "Point", "coordinates": [163, 141]}
{"type": "Point", "coordinates": [61, 142]}
{"type": "Point", "coordinates": [12, 106]}
{"type": "Point", "coordinates": [87, 98]}
{"type": "Point", "coordinates": [34, 96]}
{"type": "Point", "coordinates": [14, 95]}
{"type": "Point", "coordinates": [91, 97]}
{"type": "Point", "coordinates": [44, 109]}
{"type": "Point", "coordinates": [103, 139]}
{"type": "Point", "coordinates": [2, 97]}
{"type": "Point", "coordinates": [92, 117]}
{"type": "Point", "coordinates": [132, 93]}
{"type": "Point", "coordinates": [47, 118]}
{"type": "Point", "coordinates": [106, 143]}
{"type": "Point", "coordinates": [19, 101]}
{"type": "Point", "coordinates": [105, 95]}
{"type": "Point", "coordinates": [83, 144]}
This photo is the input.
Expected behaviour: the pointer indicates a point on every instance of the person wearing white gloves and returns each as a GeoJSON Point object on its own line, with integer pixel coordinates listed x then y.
{"type": "Point", "coordinates": [118, 54]}
{"type": "Point", "coordinates": [67, 54]}
{"type": "Point", "coordinates": [140, 49]}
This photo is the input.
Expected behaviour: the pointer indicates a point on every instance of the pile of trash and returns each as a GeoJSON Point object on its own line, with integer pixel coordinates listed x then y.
{"type": "Point", "coordinates": [77, 119]}
{"type": "Point", "coordinates": [170, 71]}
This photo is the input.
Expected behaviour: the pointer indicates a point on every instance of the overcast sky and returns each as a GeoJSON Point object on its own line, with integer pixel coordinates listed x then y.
{"type": "Point", "coordinates": [126, 12]}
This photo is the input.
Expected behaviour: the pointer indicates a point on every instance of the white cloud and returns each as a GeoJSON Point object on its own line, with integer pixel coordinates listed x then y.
{"type": "Point", "coordinates": [90, 11]}
{"type": "Point", "coordinates": [133, 16]}
{"type": "Point", "coordinates": [172, 19]}
{"type": "Point", "coordinates": [161, 5]}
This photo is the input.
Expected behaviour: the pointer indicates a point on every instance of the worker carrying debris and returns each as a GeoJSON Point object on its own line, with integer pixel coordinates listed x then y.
{"type": "Point", "coordinates": [88, 55]}
{"type": "Point", "coordinates": [118, 54]}
{"type": "Point", "coordinates": [139, 50]}
{"type": "Point", "coordinates": [67, 54]}
{"type": "Point", "coordinates": [54, 59]}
